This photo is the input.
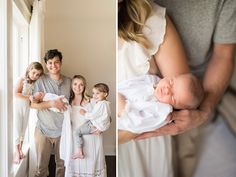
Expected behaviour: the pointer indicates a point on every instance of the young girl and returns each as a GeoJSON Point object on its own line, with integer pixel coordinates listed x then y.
{"type": "Point", "coordinates": [23, 93]}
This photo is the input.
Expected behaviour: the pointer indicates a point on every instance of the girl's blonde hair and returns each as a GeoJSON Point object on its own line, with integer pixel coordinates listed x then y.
{"type": "Point", "coordinates": [132, 16]}
{"type": "Point", "coordinates": [34, 65]}
{"type": "Point", "coordinates": [85, 96]}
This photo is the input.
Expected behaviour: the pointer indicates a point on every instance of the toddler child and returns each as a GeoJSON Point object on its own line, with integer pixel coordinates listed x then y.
{"type": "Point", "coordinates": [99, 118]}
{"type": "Point", "coordinates": [147, 100]}
{"type": "Point", "coordinates": [22, 106]}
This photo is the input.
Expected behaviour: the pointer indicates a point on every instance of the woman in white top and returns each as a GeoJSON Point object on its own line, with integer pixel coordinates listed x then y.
{"type": "Point", "coordinates": [94, 163]}
{"type": "Point", "coordinates": [147, 43]}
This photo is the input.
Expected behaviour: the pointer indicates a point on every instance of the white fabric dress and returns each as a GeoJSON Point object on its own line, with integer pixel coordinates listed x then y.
{"type": "Point", "coordinates": [21, 113]}
{"type": "Point", "coordinates": [150, 157]}
{"type": "Point", "coordinates": [94, 162]}
{"type": "Point", "coordinates": [143, 112]}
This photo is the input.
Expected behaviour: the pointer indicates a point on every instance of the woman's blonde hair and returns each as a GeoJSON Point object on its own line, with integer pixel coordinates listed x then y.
{"type": "Point", "coordinates": [132, 16]}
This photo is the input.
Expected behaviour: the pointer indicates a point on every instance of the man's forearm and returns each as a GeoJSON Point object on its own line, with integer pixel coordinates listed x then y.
{"type": "Point", "coordinates": [41, 105]}
{"type": "Point", "coordinates": [217, 76]}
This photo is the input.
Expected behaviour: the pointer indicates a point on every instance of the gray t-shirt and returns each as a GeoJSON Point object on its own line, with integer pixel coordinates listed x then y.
{"type": "Point", "coordinates": [199, 24]}
{"type": "Point", "coordinates": [49, 122]}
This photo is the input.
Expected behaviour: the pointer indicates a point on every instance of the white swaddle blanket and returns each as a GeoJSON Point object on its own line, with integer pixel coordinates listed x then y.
{"type": "Point", "coordinates": [52, 96]}
{"type": "Point", "coordinates": [143, 112]}
{"type": "Point", "coordinates": [66, 139]}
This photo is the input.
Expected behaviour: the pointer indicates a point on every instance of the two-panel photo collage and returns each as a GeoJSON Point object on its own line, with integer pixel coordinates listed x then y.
{"type": "Point", "coordinates": [117, 88]}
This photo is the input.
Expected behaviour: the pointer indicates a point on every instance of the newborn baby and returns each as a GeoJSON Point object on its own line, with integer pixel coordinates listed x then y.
{"type": "Point", "coordinates": [41, 96]}
{"type": "Point", "coordinates": [148, 100]}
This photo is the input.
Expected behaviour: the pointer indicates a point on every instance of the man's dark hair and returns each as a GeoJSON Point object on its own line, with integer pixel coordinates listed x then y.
{"type": "Point", "coordinates": [51, 54]}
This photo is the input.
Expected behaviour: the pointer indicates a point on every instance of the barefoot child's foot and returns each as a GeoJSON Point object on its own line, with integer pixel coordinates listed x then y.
{"type": "Point", "coordinates": [22, 155]}
{"type": "Point", "coordinates": [20, 151]}
{"type": "Point", "coordinates": [16, 157]}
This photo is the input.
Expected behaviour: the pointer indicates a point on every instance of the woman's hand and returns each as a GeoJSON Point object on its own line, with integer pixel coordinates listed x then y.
{"type": "Point", "coordinates": [82, 112]}
{"type": "Point", "coordinates": [181, 121]}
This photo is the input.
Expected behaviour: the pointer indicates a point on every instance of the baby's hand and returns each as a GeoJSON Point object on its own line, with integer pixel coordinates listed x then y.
{"type": "Point", "coordinates": [82, 112]}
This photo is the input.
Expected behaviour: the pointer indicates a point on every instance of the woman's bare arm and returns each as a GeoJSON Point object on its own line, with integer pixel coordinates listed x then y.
{"type": "Point", "coordinates": [170, 58]}
{"type": "Point", "coordinates": [18, 90]}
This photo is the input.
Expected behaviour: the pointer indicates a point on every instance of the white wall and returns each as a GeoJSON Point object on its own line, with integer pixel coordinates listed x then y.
{"type": "Point", "coordinates": [85, 33]}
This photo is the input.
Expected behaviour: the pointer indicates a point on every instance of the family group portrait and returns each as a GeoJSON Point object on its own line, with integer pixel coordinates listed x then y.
{"type": "Point", "coordinates": [118, 88]}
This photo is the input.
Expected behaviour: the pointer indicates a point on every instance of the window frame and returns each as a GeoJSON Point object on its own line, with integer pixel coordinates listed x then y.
{"type": "Point", "coordinates": [20, 52]}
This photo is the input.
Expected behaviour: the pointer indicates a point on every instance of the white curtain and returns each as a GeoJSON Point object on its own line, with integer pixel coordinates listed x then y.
{"type": "Point", "coordinates": [36, 52]}
{"type": "Point", "coordinates": [37, 31]}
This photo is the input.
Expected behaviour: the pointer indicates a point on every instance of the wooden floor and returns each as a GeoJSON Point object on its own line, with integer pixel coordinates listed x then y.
{"type": "Point", "coordinates": [110, 162]}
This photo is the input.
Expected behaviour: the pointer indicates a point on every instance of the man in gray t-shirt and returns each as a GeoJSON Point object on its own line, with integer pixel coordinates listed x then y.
{"type": "Point", "coordinates": [208, 32]}
{"type": "Point", "coordinates": [49, 123]}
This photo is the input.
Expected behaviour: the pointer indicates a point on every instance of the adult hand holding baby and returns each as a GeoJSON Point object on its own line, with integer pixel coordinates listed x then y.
{"type": "Point", "coordinates": [59, 104]}
{"type": "Point", "coordinates": [180, 121]}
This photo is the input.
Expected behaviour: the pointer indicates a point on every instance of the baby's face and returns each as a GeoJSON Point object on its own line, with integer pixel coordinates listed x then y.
{"type": "Point", "coordinates": [173, 91]}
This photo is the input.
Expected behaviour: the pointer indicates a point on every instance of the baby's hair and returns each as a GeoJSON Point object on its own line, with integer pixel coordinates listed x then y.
{"type": "Point", "coordinates": [34, 65]}
{"type": "Point", "coordinates": [101, 87]}
{"type": "Point", "coordinates": [196, 88]}
{"type": "Point", "coordinates": [51, 54]}
{"type": "Point", "coordinates": [85, 95]}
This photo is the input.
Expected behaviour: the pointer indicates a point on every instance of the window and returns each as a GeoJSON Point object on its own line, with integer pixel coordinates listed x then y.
{"type": "Point", "coordinates": [20, 43]}
{"type": "Point", "coordinates": [20, 53]}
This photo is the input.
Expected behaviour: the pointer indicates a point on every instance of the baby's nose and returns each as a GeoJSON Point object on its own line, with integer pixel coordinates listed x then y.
{"type": "Point", "coordinates": [166, 90]}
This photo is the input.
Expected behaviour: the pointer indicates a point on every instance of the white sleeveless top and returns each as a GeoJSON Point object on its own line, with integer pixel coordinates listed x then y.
{"type": "Point", "coordinates": [150, 157]}
{"type": "Point", "coordinates": [27, 87]}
